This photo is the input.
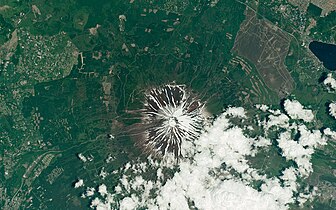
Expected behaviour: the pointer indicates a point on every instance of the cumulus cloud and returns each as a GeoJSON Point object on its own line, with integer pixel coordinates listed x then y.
{"type": "Point", "coordinates": [292, 150]}
{"type": "Point", "coordinates": [300, 151]}
{"type": "Point", "coordinates": [332, 109]}
{"type": "Point", "coordinates": [310, 138]}
{"type": "Point", "coordinates": [296, 111]}
{"type": "Point", "coordinates": [82, 157]}
{"type": "Point", "coordinates": [215, 173]}
{"type": "Point", "coordinates": [98, 204]}
{"type": "Point", "coordinates": [236, 112]}
{"type": "Point", "coordinates": [330, 82]}
{"type": "Point", "coordinates": [262, 107]}
{"type": "Point", "coordinates": [289, 177]}
{"type": "Point", "coordinates": [102, 189]}
{"type": "Point", "coordinates": [89, 192]}
{"type": "Point", "coordinates": [103, 173]}
{"type": "Point", "coordinates": [280, 121]}
{"type": "Point", "coordinates": [79, 183]}
{"type": "Point", "coordinates": [128, 204]}
{"type": "Point", "coordinates": [330, 133]}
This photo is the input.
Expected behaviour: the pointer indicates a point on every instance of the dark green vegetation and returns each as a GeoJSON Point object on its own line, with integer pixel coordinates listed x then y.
{"type": "Point", "coordinates": [72, 70]}
{"type": "Point", "coordinates": [325, 28]}
{"type": "Point", "coordinates": [314, 11]}
{"type": "Point", "coordinates": [306, 72]}
{"type": "Point", "coordinates": [50, 114]}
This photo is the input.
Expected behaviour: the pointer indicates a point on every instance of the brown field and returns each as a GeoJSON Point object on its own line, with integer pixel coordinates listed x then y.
{"type": "Point", "coordinates": [266, 46]}
{"type": "Point", "coordinates": [327, 6]}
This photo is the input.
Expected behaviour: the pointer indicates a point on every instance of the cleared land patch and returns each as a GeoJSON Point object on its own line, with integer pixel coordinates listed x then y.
{"type": "Point", "coordinates": [327, 6]}
{"type": "Point", "coordinates": [266, 46]}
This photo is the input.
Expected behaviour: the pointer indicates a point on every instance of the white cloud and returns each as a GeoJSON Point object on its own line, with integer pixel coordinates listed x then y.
{"type": "Point", "coordinates": [128, 204]}
{"type": "Point", "coordinates": [300, 151]}
{"type": "Point", "coordinates": [289, 177]}
{"type": "Point", "coordinates": [109, 158]}
{"type": "Point", "coordinates": [328, 132]}
{"type": "Point", "coordinates": [282, 195]}
{"type": "Point", "coordinates": [227, 194]}
{"type": "Point", "coordinates": [278, 121]}
{"type": "Point", "coordinates": [103, 173]}
{"type": "Point", "coordinates": [262, 107]}
{"type": "Point", "coordinates": [236, 112]}
{"type": "Point", "coordinates": [102, 189]}
{"type": "Point", "coordinates": [220, 145]}
{"type": "Point", "coordinates": [292, 150]}
{"type": "Point", "coordinates": [332, 109]}
{"type": "Point", "coordinates": [312, 138]}
{"type": "Point", "coordinates": [296, 111]}
{"type": "Point", "coordinates": [307, 196]}
{"type": "Point", "coordinates": [98, 204]}
{"type": "Point", "coordinates": [330, 82]}
{"type": "Point", "coordinates": [79, 183]}
{"type": "Point", "coordinates": [89, 192]}
{"type": "Point", "coordinates": [204, 176]}
{"type": "Point", "coordinates": [82, 157]}
{"type": "Point", "coordinates": [262, 142]}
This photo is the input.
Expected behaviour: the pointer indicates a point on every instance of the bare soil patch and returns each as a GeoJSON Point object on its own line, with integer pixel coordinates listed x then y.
{"type": "Point", "coordinates": [266, 46]}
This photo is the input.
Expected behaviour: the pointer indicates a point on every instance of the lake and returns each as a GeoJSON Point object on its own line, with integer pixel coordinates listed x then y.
{"type": "Point", "coordinates": [326, 53]}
